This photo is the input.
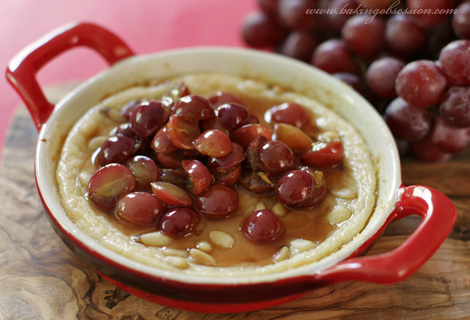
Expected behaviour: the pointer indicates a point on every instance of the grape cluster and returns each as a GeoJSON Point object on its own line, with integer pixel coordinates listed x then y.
{"type": "Point", "coordinates": [173, 162]}
{"type": "Point", "coordinates": [409, 58]}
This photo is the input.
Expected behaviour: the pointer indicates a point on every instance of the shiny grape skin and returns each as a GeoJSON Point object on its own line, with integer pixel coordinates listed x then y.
{"type": "Point", "coordinates": [139, 208]}
{"type": "Point", "coordinates": [144, 169]}
{"type": "Point", "coordinates": [455, 62]}
{"type": "Point", "coordinates": [171, 194]}
{"type": "Point", "coordinates": [247, 133]}
{"type": "Point", "coordinates": [218, 201]}
{"type": "Point", "coordinates": [406, 121]}
{"type": "Point", "coordinates": [324, 154]}
{"type": "Point", "coordinates": [291, 113]}
{"type": "Point", "coordinates": [455, 107]}
{"type": "Point", "coordinates": [147, 118]}
{"type": "Point", "coordinates": [364, 35]}
{"type": "Point", "coordinates": [193, 108]}
{"type": "Point", "coordinates": [178, 222]}
{"type": "Point", "coordinates": [333, 56]}
{"type": "Point", "coordinates": [108, 184]}
{"type": "Point", "coordinates": [235, 157]}
{"type": "Point", "coordinates": [253, 182]}
{"type": "Point", "coordinates": [199, 176]}
{"type": "Point", "coordinates": [421, 83]}
{"type": "Point", "coordinates": [381, 76]}
{"type": "Point", "coordinates": [161, 142]}
{"type": "Point", "coordinates": [275, 158]}
{"type": "Point", "coordinates": [114, 149]}
{"type": "Point", "coordinates": [213, 143]}
{"type": "Point", "coordinates": [263, 226]}
{"type": "Point", "coordinates": [233, 115]}
{"type": "Point", "coordinates": [182, 132]}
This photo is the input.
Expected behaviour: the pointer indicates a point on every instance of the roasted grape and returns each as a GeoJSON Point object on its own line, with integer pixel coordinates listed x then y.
{"type": "Point", "coordinates": [263, 226]}
{"type": "Point", "coordinates": [218, 201]}
{"type": "Point", "coordinates": [178, 222]}
{"type": "Point", "coordinates": [139, 208]}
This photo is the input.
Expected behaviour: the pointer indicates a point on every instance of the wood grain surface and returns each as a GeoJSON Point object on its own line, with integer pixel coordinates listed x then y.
{"type": "Point", "coordinates": [40, 278]}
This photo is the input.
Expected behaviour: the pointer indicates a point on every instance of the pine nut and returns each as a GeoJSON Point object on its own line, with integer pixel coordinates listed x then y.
{"type": "Point", "coordinates": [202, 257]}
{"type": "Point", "coordinates": [338, 215]}
{"type": "Point", "coordinates": [301, 245]}
{"type": "Point", "coordinates": [178, 262]}
{"type": "Point", "coordinates": [175, 252]}
{"type": "Point", "coordinates": [154, 239]}
{"type": "Point", "coordinates": [260, 206]}
{"type": "Point", "coordinates": [348, 193]}
{"type": "Point", "coordinates": [204, 246]}
{"type": "Point", "coordinates": [279, 210]}
{"type": "Point", "coordinates": [282, 254]}
{"type": "Point", "coordinates": [221, 239]}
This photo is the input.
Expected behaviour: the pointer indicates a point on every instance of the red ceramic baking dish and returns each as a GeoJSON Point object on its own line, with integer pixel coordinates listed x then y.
{"type": "Point", "coordinates": [226, 294]}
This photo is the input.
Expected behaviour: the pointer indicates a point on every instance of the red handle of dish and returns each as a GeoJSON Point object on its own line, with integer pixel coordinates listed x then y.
{"type": "Point", "coordinates": [439, 216]}
{"type": "Point", "coordinates": [21, 72]}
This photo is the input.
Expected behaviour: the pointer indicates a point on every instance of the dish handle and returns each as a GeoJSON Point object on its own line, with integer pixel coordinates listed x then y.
{"type": "Point", "coordinates": [22, 69]}
{"type": "Point", "coordinates": [439, 215]}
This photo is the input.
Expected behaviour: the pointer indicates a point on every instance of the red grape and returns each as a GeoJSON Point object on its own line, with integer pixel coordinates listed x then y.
{"type": "Point", "coordinates": [364, 35]}
{"type": "Point", "coordinates": [429, 15]}
{"type": "Point", "coordinates": [161, 142]}
{"type": "Point", "coordinates": [269, 6]}
{"type": "Point", "coordinates": [406, 121]}
{"type": "Point", "coordinates": [182, 132]}
{"type": "Point", "coordinates": [252, 152]}
{"type": "Point", "coordinates": [232, 115]}
{"type": "Point", "coordinates": [124, 129]}
{"type": "Point", "coordinates": [294, 15]}
{"type": "Point", "coordinates": [352, 80]}
{"type": "Point", "coordinates": [299, 45]}
{"type": "Point", "coordinates": [247, 133]}
{"type": "Point", "coordinates": [300, 188]}
{"type": "Point", "coordinates": [260, 30]}
{"type": "Point", "coordinates": [275, 157]}
{"type": "Point", "coordinates": [114, 149]}
{"type": "Point", "coordinates": [342, 9]}
{"type": "Point", "coordinates": [290, 113]}
{"type": "Point", "coordinates": [403, 36]}
{"type": "Point", "coordinates": [127, 109]}
{"type": "Point", "coordinates": [147, 118]}
{"type": "Point", "coordinates": [263, 226]}
{"type": "Point", "coordinates": [170, 160]}
{"type": "Point", "coordinates": [449, 139]}
{"type": "Point", "coordinates": [461, 20]}
{"type": "Point", "coordinates": [139, 208]}
{"type": "Point", "coordinates": [235, 157]}
{"type": "Point", "coordinates": [174, 176]}
{"type": "Point", "coordinates": [171, 194]}
{"type": "Point", "coordinates": [455, 62]}
{"type": "Point", "coordinates": [213, 143]}
{"type": "Point", "coordinates": [199, 176]}
{"type": "Point", "coordinates": [455, 107]}
{"type": "Point", "coordinates": [178, 222]}
{"type": "Point", "coordinates": [193, 107]}
{"type": "Point", "coordinates": [382, 74]}
{"type": "Point", "coordinates": [323, 154]}
{"type": "Point", "coordinates": [218, 201]}
{"type": "Point", "coordinates": [227, 176]}
{"type": "Point", "coordinates": [144, 169]}
{"type": "Point", "coordinates": [421, 83]}
{"type": "Point", "coordinates": [108, 184]}
{"type": "Point", "coordinates": [332, 56]}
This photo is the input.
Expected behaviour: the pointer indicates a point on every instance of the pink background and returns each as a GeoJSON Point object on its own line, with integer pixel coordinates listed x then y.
{"type": "Point", "coordinates": [146, 25]}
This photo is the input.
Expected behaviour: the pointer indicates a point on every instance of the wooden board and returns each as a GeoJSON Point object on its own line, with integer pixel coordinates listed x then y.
{"type": "Point", "coordinates": [40, 278]}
